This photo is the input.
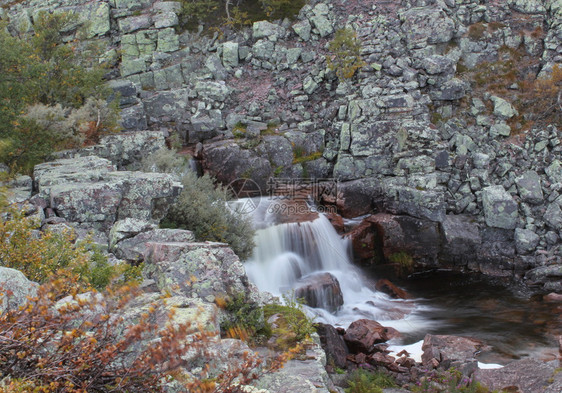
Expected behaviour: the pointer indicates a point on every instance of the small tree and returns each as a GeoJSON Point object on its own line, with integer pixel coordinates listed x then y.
{"type": "Point", "coordinates": [345, 58]}
{"type": "Point", "coordinates": [43, 69]}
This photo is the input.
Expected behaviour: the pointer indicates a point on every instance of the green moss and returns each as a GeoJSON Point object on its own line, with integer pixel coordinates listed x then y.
{"type": "Point", "coordinates": [306, 158]}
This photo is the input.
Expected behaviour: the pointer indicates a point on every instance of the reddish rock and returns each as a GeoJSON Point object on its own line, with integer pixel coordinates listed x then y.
{"type": "Point", "coordinates": [363, 240]}
{"type": "Point", "coordinates": [553, 297]}
{"type": "Point", "coordinates": [337, 222]}
{"type": "Point", "coordinates": [363, 334]}
{"type": "Point", "coordinates": [389, 288]}
{"type": "Point", "coordinates": [380, 359]}
{"type": "Point", "coordinates": [292, 210]}
{"type": "Point", "coordinates": [406, 362]}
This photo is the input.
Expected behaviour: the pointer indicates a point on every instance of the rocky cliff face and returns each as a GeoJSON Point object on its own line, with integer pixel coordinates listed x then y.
{"type": "Point", "coordinates": [432, 126]}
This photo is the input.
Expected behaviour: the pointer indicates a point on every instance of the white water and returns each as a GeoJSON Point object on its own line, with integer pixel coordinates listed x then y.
{"type": "Point", "coordinates": [287, 252]}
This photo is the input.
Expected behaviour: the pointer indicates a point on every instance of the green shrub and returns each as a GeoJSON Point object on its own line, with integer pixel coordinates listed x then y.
{"type": "Point", "coordinates": [280, 9]}
{"type": "Point", "coordinates": [202, 208]}
{"type": "Point", "coordinates": [345, 58]}
{"type": "Point", "coordinates": [363, 381]}
{"type": "Point", "coordinates": [43, 69]}
{"type": "Point", "coordinates": [41, 256]}
{"type": "Point", "coordinates": [293, 326]}
{"type": "Point", "coordinates": [403, 261]}
{"type": "Point", "coordinates": [165, 161]}
{"type": "Point", "coordinates": [245, 320]}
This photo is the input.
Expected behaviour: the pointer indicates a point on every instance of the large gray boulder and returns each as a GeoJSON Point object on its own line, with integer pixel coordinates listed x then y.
{"type": "Point", "coordinates": [426, 25]}
{"type": "Point", "coordinates": [500, 210]}
{"type": "Point", "coordinates": [88, 191]}
{"type": "Point", "coordinates": [452, 351]}
{"type": "Point", "coordinates": [14, 289]}
{"type": "Point", "coordinates": [134, 248]}
{"type": "Point", "coordinates": [524, 376]}
{"type": "Point", "coordinates": [228, 161]}
{"type": "Point", "coordinates": [123, 149]}
{"type": "Point", "coordinates": [203, 270]}
{"type": "Point", "coordinates": [461, 238]}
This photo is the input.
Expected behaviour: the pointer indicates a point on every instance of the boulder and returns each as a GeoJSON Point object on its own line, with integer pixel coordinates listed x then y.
{"type": "Point", "coordinates": [503, 109]}
{"type": "Point", "coordinates": [265, 29]}
{"type": "Point", "coordinates": [333, 344]}
{"type": "Point", "coordinates": [127, 228]}
{"type": "Point", "coordinates": [553, 216]}
{"type": "Point", "coordinates": [424, 204]}
{"type": "Point", "coordinates": [363, 241]}
{"type": "Point", "coordinates": [523, 376]}
{"type": "Point", "coordinates": [133, 247]}
{"type": "Point", "coordinates": [14, 289]}
{"type": "Point", "coordinates": [391, 289]}
{"type": "Point", "coordinates": [88, 191]}
{"type": "Point", "coordinates": [203, 270]}
{"type": "Point", "coordinates": [452, 351]}
{"type": "Point", "coordinates": [320, 290]}
{"type": "Point", "coordinates": [228, 161]}
{"type": "Point", "coordinates": [500, 210]}
{"type": "Point", "coordinates": [305, 373]}
{"type": "Point", "coordinates": [363, 334]}
{"type": "Point", "coordinates": [525, 240]}
{"type": "Point", "coordinates": [419, 239]}
{"type": "Point", "coordinates": [426, 25]}
{"type": "Point", "coordinates": [529, 186]}
{"type": "Point", "coordinates": [123, 149]}
{"type": "Point", "coordinates": [461, 238]}
{"type": "Point", "coordinates": [355, 198]}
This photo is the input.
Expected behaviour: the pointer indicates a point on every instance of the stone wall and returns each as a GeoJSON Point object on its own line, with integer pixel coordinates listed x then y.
{"type": "Point", "coordinates": [425, 140]}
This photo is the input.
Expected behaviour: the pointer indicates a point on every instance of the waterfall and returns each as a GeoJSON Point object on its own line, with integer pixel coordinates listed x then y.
{"type": "Point", "coordinates": [288, 253]}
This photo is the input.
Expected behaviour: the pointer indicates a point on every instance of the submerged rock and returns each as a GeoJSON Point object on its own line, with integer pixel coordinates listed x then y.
{"type": "Point", "coordinates": [321, 290]}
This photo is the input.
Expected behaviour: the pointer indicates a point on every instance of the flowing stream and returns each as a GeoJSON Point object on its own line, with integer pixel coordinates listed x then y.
{"type": "Point", "coordinates": [444, 303]}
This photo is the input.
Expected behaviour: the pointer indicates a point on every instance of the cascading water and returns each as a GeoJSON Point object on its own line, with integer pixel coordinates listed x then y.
{"type": "Point", "coordinates": [287, 253]}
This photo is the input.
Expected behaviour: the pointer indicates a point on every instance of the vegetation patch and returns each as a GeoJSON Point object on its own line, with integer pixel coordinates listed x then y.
{"type": "Point", "coordinates": [363, 381]}
{"type": "Point", "coordinates": [216, 14]}
{"type": "Point", "coordinates": [202, 208]}
{"type": "Point", "coordinates": [52, 96]}
{"type": "Point", "coordinates": [450, 381]}
{"type": "Point", "coordinates": [291, 326]}
{"type": "Point", "coordinates": [345, 54]}
{"type": "Point", "coordinates": [403, 262]}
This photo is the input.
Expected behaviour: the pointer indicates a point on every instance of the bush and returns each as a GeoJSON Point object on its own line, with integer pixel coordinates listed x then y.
{"type": "Point", "coordinates": [293, 326]}
{"type": "Point", "coordinates": [165, 161]}
{"type": "Point", "coordinates": [43, 69]}
{"type": "Point", "coordinates": [41, 256]}
{"type": "Point", "coordinates": [245, 319]}
{"type": "Point", "coordinates": [87, 346]}
{"type": "Point", "coordinates": [363, 381]}
{"type": "Point", "coordinates": [345, 58]}
{"type": "Point", "coordinates": [202, 208]}
{"type": "Point", "coordinates": [541, 99]}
